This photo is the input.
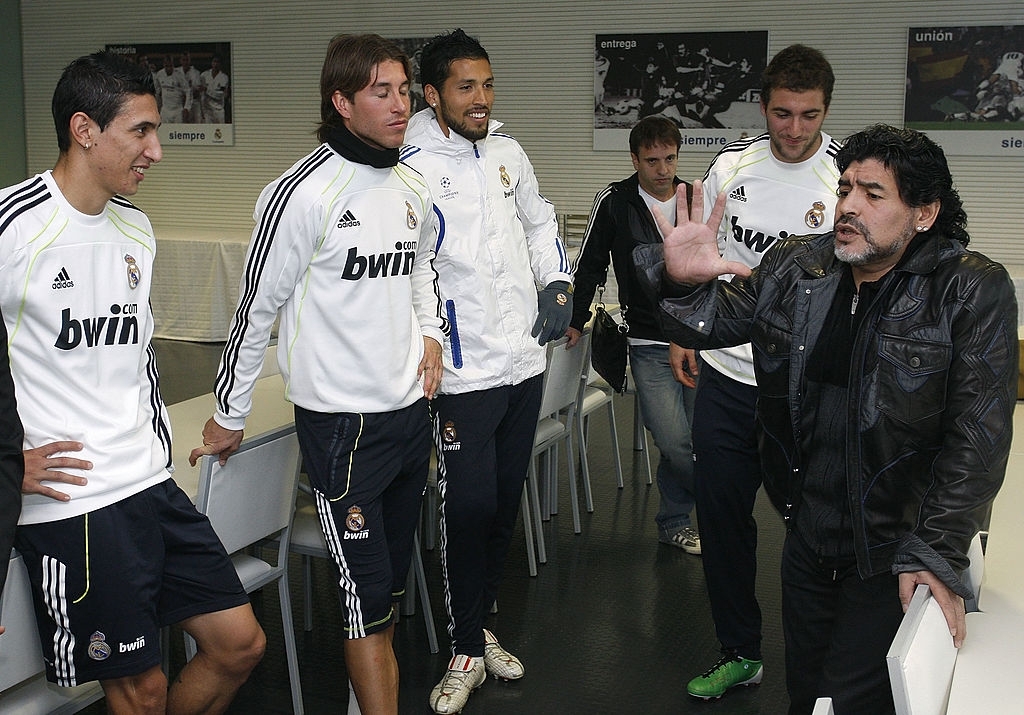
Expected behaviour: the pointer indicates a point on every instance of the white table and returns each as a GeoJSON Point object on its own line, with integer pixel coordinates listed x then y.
{"type": "Point", "coordinates": [195, 285]}
{"type": "Point", "coordinates": [995, 635]}
{"type": "Point", "coordinates": [270, 410]}
{"type": "Point", "coordinates": [995, 639]}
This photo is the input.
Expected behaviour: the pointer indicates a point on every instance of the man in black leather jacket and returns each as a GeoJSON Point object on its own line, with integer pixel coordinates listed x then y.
{"type": "Point", "coordinates": [621, 220]}
{"type": "Point", "coordinates": [886, 357]}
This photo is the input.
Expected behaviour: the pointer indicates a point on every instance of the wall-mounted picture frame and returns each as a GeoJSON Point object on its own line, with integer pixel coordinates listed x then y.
{"type": "Point", "coordinates": [965, 87]}
{"type": "Point", "coordinates": [708, 82]}
{"type": "Point", "coordinates": [193, 89]}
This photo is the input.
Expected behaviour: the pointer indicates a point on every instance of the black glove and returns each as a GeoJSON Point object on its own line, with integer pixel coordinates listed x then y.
{"type": "Point", "coordinates": [554, 311]}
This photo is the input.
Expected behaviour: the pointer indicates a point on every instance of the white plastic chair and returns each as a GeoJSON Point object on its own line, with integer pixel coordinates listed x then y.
{"type": "Point", "coordinates": [556, 425]}
{"type": "Point", "coordinates": [249, 501]}
{"type": "Point", "coordinates": [24, 689]}
{"type": "Point", "coordinates": [921, 658]}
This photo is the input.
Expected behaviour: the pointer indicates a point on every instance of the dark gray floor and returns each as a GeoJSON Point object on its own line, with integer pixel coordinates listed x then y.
{"type": "Point", "coordinates": [613, 623]}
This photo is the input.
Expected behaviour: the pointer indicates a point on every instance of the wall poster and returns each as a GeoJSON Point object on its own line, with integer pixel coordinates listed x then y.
{"type": "Point", "coordinates": [965, 88]}
{"type": "Point", "coordinates": [413, 47]}
{"type": "Point", "coordinates": [708, 82]}
{"type": "Point", "coordinates": [193, 89]}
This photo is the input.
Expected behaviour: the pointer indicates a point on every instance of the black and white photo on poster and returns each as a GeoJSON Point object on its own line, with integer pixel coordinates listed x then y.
{"type": "Point", "coordinates": [707, 82]}
{"type": "Point", "coordinates": [193, 89]}
{"type": "Point", "coordinates": [413, 48]}
{"type": "Point", "coordinates": [965, 87]}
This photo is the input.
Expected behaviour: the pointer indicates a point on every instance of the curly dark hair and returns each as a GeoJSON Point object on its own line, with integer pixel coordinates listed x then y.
{"type": "Point", "coordinates": [920, 169]}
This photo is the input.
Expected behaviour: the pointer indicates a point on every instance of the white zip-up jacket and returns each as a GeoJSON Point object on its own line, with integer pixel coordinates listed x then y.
{"type": "Point", "coordinates": [497, 243]}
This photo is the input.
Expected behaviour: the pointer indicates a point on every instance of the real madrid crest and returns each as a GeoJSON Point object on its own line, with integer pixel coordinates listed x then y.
{"type": "Point", "coordinates": [355, 521]}
{"type": "Point", "coordinates": [410, 217]}
{"type": "Point", "coordinates": [505, 180]}
{"type": "Point", "coordinates": [815, 216]}
{"type": "Point", "coordinates": [134, 272]}
{"type": "Point", "coordinates": [449, 435]}
{"type": "Point", "coordinates": [98, 648]}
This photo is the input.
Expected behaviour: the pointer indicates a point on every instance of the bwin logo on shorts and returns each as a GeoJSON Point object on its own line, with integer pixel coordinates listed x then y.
{"type": "Point", "coordinates": [137, 644]}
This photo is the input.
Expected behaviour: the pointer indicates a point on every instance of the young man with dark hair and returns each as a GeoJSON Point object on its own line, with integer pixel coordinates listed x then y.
{"type": "Point", "coordinates": [497, 242]}
{"type": "Point", "coordinates": [886, 358]}
{"type": "Point", "coordinates": [776, 184]}
{"type": "Point", "coordinates": [115, 550]}
{"type": "Point", "coordinates": [365, 357]}
{"type": "Point", "coordinates": [620, 221]}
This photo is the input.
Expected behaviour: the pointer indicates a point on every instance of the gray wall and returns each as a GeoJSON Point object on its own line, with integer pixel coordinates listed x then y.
{"type": "Point", "coordinates": [542, 54]}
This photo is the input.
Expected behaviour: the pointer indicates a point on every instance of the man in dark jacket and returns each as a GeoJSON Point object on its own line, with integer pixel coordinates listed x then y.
{"type": "Point", "coordinates": [12, 462]}
{"type": "Point", "coordinates": [620, 221]}
{"type": "Point", "coordinates": [886, 357]}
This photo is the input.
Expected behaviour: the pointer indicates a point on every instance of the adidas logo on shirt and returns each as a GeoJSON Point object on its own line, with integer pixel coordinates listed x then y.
{"type": "Point", "coordinates": [738, 194]}
{"type": "Point", "coordinates": [63, 280]}
{"type": "Point", "coordinates": [348, 220]}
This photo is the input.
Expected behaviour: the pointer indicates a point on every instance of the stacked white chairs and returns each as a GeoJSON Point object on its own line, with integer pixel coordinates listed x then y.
{"type": "Point", "coordinates": [24, 689]}
{"type": "Point", "coordinates": [250, 502]}
{"type": "Point", "coordinates": [555, 426]}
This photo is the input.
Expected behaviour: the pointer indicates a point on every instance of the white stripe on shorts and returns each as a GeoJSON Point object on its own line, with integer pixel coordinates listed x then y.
{"type": "Point", "coordinates": [55, 598]}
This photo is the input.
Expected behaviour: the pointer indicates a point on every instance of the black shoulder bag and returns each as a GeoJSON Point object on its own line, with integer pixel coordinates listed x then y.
{"type": "Point", "coordinates": [608, 346]}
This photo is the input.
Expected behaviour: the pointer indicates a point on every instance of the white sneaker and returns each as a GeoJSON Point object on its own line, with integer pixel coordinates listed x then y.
{"type": "Point", "coordinates": [465, 674]}
{"type": "Point", "coordinates": [498, 661]}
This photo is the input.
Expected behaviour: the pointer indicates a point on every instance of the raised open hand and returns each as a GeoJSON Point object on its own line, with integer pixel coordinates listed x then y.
{"type": "Point", "coordinates": [691, 246]}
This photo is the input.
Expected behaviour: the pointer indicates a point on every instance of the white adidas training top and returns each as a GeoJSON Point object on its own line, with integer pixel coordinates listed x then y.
{"type": "Point", "coordinates": [344, 251]}
{"type": "Point", "coordinates": [767, 199]}
{"type": "Point", "coordinates": [75, 295]}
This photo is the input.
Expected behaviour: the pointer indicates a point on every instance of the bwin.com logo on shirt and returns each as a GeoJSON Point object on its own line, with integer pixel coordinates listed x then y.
{"type": "Point", "coordinates": [348, 220]}
{"type": "Point", "coordinates": [738, 194]}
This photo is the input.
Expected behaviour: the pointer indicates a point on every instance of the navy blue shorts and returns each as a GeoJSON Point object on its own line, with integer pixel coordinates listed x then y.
{"type": "Point", "coordinates": [368, 473]}
{"type": "Point", "coordinates": [106, 582]}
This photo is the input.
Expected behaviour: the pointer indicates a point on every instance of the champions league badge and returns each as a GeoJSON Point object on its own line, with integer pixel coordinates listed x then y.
{"type": "Point", "coordinates": [134, 273]}
{"type": "Point", "coordinates": [815, 216]}
{"type": "Point", "coordinates": [355, 521]}
{"type": "Point", "coordinates": [505, 181]}
{"type": "Point", "coordinates": [98, 648]}
{"type": "Point", "coordinates": [410, 217]}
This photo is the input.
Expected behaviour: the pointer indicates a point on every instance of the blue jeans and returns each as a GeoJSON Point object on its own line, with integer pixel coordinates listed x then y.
{"type": "Point", "coordinates": [667, 408]}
